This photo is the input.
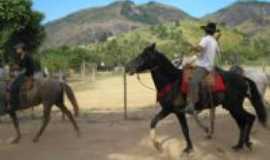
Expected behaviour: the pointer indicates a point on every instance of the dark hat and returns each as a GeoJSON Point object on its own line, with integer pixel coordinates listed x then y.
{"type": "Point", "coordinates": [19, 45]}
{"type": "Point", "coordinates": [210, 27]}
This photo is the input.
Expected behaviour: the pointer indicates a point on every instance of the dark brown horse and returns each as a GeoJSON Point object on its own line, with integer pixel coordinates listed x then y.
{"type": "Point", "coordinates": [48, 93]}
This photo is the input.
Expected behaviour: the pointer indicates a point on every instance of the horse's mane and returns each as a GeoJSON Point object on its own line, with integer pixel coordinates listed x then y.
{"type": "Point", "coordinates": [170, 69]}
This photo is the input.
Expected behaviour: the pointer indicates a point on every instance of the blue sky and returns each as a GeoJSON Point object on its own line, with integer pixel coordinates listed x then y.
{"type": "Point", "coordinates": [55, 9]}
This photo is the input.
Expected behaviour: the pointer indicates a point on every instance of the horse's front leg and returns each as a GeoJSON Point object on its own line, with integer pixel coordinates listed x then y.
{"type": "Point", "coordinates": [15, 121]}
{"type": "Point", "coordinates": [200, 123]}
{"type": "Point", "coordinates": [158, 117]}
{"type": "Point", "coordinates": [46, 119]}
{"type": "Point", "coordinates": [183, 123]}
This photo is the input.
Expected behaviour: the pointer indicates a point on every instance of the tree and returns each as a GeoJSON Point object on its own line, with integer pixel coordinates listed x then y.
{"type": "Point", "coordinates": [19, 23]}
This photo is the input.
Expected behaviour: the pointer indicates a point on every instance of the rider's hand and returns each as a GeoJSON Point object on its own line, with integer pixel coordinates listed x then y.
{"type": "Point", "coordinates": [196, 49]}
{"type": "Point", "coordinates": [218, 35]}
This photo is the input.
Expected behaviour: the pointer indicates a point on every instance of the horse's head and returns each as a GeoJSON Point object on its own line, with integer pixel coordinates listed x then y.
{"type": "Point", "coordinates": [147, 60]}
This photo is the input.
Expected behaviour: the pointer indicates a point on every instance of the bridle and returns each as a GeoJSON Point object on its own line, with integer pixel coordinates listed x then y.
{"type": "Point", "coordinates": [143, 84]}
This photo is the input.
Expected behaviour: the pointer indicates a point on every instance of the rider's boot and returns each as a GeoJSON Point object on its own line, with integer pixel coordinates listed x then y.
{"type": "Point", "coordinates": [12, 102]}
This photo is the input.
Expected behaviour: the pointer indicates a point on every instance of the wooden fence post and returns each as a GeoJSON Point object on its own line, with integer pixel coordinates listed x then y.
{"type": "Point", "coordinates": [125, 95]}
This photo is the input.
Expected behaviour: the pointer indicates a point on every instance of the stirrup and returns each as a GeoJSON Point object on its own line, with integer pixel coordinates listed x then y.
{"type": "Point", "coordinates": [189, 110]}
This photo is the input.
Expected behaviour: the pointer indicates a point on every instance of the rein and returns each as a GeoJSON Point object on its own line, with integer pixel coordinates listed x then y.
{"type": "Point", "coordinates": [144, 85]}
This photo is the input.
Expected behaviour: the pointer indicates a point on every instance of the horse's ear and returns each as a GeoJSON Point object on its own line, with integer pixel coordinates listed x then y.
{"type": "Point", "coordinates": [152, 46]}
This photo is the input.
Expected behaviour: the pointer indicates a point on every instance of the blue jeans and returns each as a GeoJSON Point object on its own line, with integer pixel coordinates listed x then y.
{"type": "Point", "coordinates": [198, 75]}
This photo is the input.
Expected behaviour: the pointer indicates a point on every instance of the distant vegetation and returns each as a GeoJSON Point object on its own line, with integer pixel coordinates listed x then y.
{"type": "Point", "coordinates": [19, 23]}
{"type": "Point", "coordinates": [173, 39]}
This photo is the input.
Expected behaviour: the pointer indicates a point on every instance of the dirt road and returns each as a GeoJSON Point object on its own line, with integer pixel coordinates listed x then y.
{"type": "Point", "coordinates": [106, 136]}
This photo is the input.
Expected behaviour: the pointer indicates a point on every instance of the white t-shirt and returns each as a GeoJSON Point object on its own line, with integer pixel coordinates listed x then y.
{"type": "Point", "coordinates": [206, 57]}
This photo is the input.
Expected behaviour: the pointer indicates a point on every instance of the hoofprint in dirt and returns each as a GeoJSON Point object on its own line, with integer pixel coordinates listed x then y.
{"type": "Point", "coordinates": [106, 136]}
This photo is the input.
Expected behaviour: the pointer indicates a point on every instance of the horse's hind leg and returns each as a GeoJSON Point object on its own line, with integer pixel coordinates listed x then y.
{"type": "Point", "coordinates": [200, 123]}
{"type": "Point", "coordinates": [70, 117]}
{"type": "Point", "coordinates": [46, 119]}
{"type": "Point", "coordinates": [15, 121]}
{"type": "Point", "coordinates": [244, 122]}
{"type": "Point", "coordinates": [212, 114]}
{"type": "Point", "coordinates": [250, 122]}
{"type": "Point", "coordinates": [33, 113]}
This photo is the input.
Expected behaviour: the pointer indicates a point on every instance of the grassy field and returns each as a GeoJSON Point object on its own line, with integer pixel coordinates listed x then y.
{"type": "Point", "coordinates": [108, 93]}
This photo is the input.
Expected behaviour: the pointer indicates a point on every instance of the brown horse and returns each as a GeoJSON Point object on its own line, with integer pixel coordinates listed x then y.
{"type": "Point", "coordinates": [48, 93]}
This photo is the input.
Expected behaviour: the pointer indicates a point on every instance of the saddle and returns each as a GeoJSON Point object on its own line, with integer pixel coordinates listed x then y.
{"type": "Point", "coordinates": [213, 81]}
{"type": "Point", "coordinates": [24, 92]}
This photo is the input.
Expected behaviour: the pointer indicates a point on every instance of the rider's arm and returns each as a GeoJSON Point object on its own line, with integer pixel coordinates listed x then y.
{"type": "Point", "coordinates": [197, 49]}
{"type": "Point", "coordinates": [200, 47]}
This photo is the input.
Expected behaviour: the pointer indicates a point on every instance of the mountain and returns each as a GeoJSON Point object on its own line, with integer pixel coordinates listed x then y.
{"type": "Point", "coordinates": [249, 17]}
{"type": "Point", "coordinates": [97, 24]}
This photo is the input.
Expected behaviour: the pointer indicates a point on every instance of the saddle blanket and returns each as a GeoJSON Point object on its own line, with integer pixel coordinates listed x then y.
{"type": "Point", "coordinates": [216, 83]}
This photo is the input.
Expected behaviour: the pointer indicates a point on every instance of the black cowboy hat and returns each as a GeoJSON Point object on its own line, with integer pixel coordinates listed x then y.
{"type": "Point", "coordinates": [210, 27]}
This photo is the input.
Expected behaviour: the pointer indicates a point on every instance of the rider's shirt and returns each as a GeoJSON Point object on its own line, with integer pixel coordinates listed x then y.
{"type": "Point", "coordinates": [27, 63]}
{"type": "Point", "coordinates": [206, 58]}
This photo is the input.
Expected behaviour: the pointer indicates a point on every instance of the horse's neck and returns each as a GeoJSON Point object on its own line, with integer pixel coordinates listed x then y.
{"type": "Point", "coordinates": [268, 78]}
{"type": "Point", "coordinates": [166, 73]}
{"type": "Point", "coordinates": [158, 81]}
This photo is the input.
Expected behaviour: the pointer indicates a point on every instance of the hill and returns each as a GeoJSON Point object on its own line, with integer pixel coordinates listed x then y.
{"type": "Point", "coordinates": [248, 17]}
{"type": "Point", "coordinates": [97, 24]}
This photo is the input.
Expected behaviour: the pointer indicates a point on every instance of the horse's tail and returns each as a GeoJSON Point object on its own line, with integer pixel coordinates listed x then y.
{"type": "Point", "coordinates": [268, 78]}
{"type": "Point", "coordinates": [257, 102]}
{"type": "Point", "coordinates": [264, 69]}
{"type": "Point", "coordinates": [72, 98]}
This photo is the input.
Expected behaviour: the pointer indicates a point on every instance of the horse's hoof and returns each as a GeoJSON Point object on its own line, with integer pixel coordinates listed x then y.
{"type": "Point", "coordinates": [79, 134]}
{"type": "Point", "coordinates": [237, 148]}
{"type": "Point", "coordinates": [209, 136]}
{"type": "Point", "coordinates": [15, 141]}
{"type": "Point", "coordinates": [249, 145]}
{"type": "Point", "coordinates": [76, 115]}
{"type": "Point", "coordinates": [188, 150]}
{"type": "Point", "coordinates": [35, 140]}
{"type": "Point", "coordinates": [158, 146]}
{"type": "Point", "coordinates": [206, 130]}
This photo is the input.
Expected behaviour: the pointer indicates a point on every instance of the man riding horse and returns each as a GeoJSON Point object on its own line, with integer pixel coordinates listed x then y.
{"type": "Point", "coordinates": [207, 50]}
{"type": "Point", "coordinates": [43, 91]}
{"type": "Point", "coordinates": [25, 64]}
